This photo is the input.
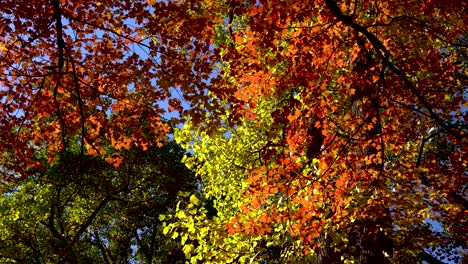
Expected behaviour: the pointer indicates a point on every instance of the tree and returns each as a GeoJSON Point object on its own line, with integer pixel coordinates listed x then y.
{"type": "Point", "coordinates": [362, 142]}
{"type": "Point", "coordinates": [67, 66]}
{"type": "Point", "coordinates": [91, 212]}
{"type": "Point", "coordinates": [351, 102]}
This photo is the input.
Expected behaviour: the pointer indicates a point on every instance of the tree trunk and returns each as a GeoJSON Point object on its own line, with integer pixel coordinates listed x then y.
{"type": "Point", "coordinates": [371, 243]}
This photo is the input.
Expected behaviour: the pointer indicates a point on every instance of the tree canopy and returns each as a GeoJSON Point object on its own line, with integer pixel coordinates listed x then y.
{"type": "Point", "coordinates": [321, 131]}
{"type": "Point", "coordinates": [80, 209]}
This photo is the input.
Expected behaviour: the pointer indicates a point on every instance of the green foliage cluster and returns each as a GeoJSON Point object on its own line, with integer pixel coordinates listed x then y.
{"type": "Point", "coordinates": [81, 209]}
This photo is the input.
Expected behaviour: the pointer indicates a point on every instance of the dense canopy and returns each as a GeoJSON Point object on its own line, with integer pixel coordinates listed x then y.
{"type": "Point", "coordinates": [320, 131]}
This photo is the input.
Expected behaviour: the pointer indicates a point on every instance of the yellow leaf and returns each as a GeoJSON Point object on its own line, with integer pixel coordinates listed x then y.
{"type": "Point", "coordinates": [181, 215]}
{"type": "Point", "coordinates": [194, 200]}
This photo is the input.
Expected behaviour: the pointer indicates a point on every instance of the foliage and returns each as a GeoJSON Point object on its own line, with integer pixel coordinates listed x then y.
{"type": "Point", "coordinates": [83, 210]}
{"type": "Point", "coordinates": [326, 131]}
{"type": "Point", "coordinates": [223, 160]}
{"type": "Point", "coordinates": [362, 142]}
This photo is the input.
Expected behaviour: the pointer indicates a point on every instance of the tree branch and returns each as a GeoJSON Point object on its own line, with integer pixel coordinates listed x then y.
{"type": "Point", "coordinates": [90, 219]}
{"type": "Point", "coordinates": [386, 56]}
{"type": "Point", "coordinates": [60, 48]}
{"type": "Point", "coordinates": [429, 258]}
{"type": "Point", "coordinates": [101, 247]}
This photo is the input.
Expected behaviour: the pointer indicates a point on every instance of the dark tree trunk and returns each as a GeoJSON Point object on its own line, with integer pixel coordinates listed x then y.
{"type": "Point", "coordinates": [326, 254]}
{"type": "Point", "coordinates": [368, 239]}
